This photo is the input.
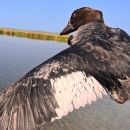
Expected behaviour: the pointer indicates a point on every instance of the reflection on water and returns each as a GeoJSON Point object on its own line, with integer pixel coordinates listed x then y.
{"type": "Point", "coordinates": [19, 55]}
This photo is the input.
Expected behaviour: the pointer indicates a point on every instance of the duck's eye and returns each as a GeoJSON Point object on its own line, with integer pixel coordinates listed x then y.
{"type": "Point", "coordinates": [73, 16]}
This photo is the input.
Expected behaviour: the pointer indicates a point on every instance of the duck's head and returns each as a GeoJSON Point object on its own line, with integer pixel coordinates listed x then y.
{"type": "Point", "coordinates": [80, 17]}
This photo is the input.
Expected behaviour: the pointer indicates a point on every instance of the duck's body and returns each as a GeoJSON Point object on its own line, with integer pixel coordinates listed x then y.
{"type": "Point", "coordinates": [109, 53]}
{"type": "Point", "coordinates": [98, 62]}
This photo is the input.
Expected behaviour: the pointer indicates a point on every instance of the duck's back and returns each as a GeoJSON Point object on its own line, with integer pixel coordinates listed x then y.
{"type": "Point", "coordinates": [109, 50]}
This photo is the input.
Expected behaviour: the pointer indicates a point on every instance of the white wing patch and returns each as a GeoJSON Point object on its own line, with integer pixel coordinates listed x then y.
{"type": "Point", "coordinates": [75, 90]}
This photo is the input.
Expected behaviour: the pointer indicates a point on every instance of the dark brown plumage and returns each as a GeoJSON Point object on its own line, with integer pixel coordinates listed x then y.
{"type": "Point", "coordinates": [82, 16]}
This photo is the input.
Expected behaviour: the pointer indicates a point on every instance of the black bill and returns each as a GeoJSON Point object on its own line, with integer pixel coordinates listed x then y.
{"type": "Point", "coordinates": [68, 29]}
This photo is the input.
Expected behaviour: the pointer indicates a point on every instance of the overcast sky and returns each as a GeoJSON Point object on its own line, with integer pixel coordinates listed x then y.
{"type": "Point", "coordinates": [53, 15]}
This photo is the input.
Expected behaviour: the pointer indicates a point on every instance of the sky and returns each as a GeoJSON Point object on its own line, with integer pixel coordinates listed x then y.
{"type": "Point", "coordinates": [53, 15]}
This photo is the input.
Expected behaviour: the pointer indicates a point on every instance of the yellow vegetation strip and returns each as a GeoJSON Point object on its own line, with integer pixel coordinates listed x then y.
{"type": "Point", "coordinates": [33, 34]}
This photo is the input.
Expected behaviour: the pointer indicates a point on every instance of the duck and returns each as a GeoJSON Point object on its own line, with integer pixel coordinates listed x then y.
{"type": "Point", "coordinates": [97, 63]}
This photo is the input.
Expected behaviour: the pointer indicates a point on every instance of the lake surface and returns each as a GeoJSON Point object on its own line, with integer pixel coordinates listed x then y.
{"type": "Point", "coordinates": [19, 55]}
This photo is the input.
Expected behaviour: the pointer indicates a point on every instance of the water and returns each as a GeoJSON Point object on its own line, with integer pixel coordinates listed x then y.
{"type": "Point", "coordinates": [19, 55]}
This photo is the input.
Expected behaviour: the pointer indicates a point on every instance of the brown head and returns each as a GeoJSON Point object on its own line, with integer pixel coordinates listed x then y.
{"type": "Point", "coordinates": [80, 17]}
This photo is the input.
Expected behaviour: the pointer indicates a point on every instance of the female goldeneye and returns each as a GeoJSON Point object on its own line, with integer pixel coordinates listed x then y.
{"type": "Point", "coordinates": [96, 63]}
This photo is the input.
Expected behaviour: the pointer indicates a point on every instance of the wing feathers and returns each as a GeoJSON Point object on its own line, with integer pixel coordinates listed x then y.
{"type": "Point", "coordinates": [30, 106]}
{"type": "Point", "coordinates": [42, 96]}
{"type": "Point", "coordinates": [4, 121]}
{"type": "Point", "coordinates": [30, 116]}
{"type": "Point", "coordinates": [75, 90]}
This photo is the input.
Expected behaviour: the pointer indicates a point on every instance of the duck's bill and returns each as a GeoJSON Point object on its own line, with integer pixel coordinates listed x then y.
{"type": "Point", "coordinates": [68, 29]}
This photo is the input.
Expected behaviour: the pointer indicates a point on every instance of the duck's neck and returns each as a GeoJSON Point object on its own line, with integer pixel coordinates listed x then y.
{"type": "Point", "coordinates": [84, 32]}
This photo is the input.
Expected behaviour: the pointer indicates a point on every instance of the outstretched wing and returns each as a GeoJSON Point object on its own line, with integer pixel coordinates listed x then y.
{"type": "Point", "coordinates": [50, 91]}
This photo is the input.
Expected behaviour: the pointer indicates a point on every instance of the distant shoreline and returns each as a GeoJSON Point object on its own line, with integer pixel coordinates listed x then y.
{"type": "Point", "coordinates": [39, 35]}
